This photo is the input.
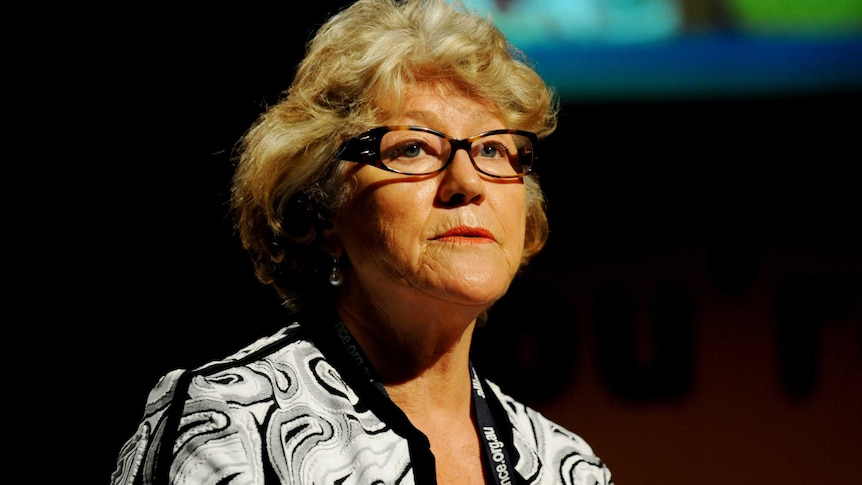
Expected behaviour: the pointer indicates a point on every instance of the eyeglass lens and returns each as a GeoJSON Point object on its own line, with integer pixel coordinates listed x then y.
{"type": "Point", "coordinates": [420, 152]}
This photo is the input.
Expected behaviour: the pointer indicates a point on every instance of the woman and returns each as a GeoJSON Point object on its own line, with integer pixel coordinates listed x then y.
{"type": "Point", "coordinates": [389, 198]}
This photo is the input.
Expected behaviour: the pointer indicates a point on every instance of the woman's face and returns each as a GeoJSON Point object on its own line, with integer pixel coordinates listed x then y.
{"type": "Point", "coordinates": [455, 236]}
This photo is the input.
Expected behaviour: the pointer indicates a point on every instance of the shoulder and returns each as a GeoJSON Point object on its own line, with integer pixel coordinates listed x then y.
{"type": "Point", "coordinates": [254, 373]}
{"type": "Point", "coordinates": [547, 450]}
{"type": "Point", "coordinates": [220, 402]}
{"type": "Point", "coordinates": [219, 379]}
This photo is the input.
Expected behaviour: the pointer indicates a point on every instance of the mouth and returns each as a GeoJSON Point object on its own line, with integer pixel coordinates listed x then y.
{"type": "Point", "coordinates": [464, 234]}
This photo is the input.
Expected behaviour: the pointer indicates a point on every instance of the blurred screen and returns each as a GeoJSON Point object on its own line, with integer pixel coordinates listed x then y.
{"type": "Point", "coordinates": [630, 49]}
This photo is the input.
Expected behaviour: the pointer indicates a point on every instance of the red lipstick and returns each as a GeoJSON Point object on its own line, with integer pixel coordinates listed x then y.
{"type": "Point", "coordinates": [461, 233]}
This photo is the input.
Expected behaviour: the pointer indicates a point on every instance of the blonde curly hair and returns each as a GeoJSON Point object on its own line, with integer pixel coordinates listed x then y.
{"type": "Point", "coordinates": [288, 183]}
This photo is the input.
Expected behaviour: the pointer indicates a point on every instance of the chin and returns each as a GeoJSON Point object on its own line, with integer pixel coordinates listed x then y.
{"type": "Point", "coordinates": [481, 291]}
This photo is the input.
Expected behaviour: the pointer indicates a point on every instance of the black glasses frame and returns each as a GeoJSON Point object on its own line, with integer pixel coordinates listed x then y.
{"type": "Point", "coordinates": [365, 148]}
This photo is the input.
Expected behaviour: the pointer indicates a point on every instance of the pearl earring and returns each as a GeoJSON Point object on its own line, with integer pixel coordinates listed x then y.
{"type": "Point", "coordinates": [335, 276]}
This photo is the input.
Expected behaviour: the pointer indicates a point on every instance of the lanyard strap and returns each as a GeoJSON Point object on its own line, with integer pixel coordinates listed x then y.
{"type": "Point", "coordinates": [497, 463]}
{"type": "Point", "coordinates": [356, 356]}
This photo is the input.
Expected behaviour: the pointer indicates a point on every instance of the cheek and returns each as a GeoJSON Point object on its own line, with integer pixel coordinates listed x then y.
{"type": "Point", "coordinates": [382, 219]}
{"type": "Point", "coordinates": [512, 214]}
{"type": "Point", "coordinates": [517, 242]}
{"type": "Point", "coordinates": [397, 207]}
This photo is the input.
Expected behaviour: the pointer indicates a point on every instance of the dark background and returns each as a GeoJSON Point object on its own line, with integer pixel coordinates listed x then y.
{"type": "Point", "coordinates": [695, 315]}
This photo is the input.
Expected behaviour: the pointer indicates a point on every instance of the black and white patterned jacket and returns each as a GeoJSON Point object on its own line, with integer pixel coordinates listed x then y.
{"type": "Point", "coordinates": [288, 410]}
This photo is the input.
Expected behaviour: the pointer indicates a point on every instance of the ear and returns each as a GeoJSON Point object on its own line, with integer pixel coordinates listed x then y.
{"type": "Point", "coordinates": [331, 242]}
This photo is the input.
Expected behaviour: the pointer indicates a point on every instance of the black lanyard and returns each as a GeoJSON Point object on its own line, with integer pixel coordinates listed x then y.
{"type": "Point", "coordinates": [498, 465]}
{"type": "Point", "coordinates": [497, 462]}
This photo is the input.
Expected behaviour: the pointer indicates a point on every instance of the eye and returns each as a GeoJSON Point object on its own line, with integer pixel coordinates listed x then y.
{"type": "Point", "coordinates": [493, 150]}
{"type": "Point", "coordinates": [410, 150]}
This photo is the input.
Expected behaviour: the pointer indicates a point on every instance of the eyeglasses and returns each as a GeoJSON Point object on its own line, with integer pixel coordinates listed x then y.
{"type": "Point", "coordinates": [416, 150]}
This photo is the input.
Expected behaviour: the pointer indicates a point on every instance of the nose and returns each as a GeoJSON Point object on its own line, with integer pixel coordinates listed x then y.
{"type": "Point", "coordinates": [460, 182]}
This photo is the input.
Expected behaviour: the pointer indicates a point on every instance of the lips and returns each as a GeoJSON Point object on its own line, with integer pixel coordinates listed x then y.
{"type": "Point", "coordinates": [462, 232]}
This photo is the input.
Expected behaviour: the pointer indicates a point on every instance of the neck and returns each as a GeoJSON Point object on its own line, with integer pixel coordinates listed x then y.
{"type": "Point", "coordinates": [423, 362]}
{"type": "Point", "coordinates": [417, 349]}
{"type": "Point", "coordinates": [410, 337]}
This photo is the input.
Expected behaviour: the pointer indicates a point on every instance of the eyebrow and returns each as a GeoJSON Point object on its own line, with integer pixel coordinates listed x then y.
{"type": "Point", "coordinates": [425, 117]}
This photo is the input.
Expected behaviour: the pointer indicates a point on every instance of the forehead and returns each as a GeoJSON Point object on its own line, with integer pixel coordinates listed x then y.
{"type": "Point", "coordinates": [436, 102]}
